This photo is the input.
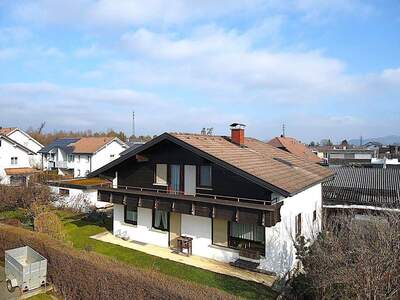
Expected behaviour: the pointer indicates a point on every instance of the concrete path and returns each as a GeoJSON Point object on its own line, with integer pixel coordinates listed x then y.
{"type": "Point", "coordinates": [193, 260]}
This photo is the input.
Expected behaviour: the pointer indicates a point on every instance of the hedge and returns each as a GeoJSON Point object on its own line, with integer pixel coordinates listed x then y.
{"type": "Point", "coordinates": [79, 274]}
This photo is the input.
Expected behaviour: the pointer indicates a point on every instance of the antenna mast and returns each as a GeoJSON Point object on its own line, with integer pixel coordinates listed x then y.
{"type": "Point", "coordinates": [283, 130]}
{"type": "Point", "coordinates": [133, 124]}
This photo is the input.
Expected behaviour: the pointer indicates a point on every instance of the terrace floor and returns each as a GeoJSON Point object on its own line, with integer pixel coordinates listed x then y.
{"type": "Point", "coordinates": [193, 260]}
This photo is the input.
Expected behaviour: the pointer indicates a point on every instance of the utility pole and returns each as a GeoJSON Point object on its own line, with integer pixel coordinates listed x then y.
{"type": "Point", "coordinates": [133, 124]}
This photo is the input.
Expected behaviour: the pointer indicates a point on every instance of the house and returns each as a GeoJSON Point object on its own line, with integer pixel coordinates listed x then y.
{"type": "Point", "coordinates": [295, 147]}
{"type": "Point", "coordinates": [339, 156]}
{"type": "Point", "coordinates": [362, 191]}
{"type": "Point", "coordinates": [15, 162]}
{"type": "Point", "coordinates": [27, 141]}
{"type": "Point", "coordinates": [79, 194]}
{"type": "Point", "coordinates": [238, 198]}
{"type": "Point", "coordinates": [80, 156]}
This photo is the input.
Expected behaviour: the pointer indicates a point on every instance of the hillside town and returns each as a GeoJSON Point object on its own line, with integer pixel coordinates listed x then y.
{"type": "Point", "coordinates": [154, 149]}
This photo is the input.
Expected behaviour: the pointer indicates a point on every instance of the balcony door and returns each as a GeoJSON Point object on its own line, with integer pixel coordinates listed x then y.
{"type": "Point", "coordinates": [190, 180]}
{"type": "Point", "coordinates": [175, 178]}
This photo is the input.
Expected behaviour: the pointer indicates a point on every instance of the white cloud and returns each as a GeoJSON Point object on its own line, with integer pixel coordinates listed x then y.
{"type": "Point", "coordinates": [116, 13]}
{"type": "Point", "coordinates": [226, 63]}
{"type": "Point", "coordinates": [95, 108]}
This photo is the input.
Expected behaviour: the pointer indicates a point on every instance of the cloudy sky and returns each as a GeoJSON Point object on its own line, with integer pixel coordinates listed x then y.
{"type": "Point", "coordinates": [325, 68]}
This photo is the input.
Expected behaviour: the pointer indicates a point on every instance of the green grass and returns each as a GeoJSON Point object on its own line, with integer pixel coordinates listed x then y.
{"type": "Point", "coordinates": [12, 214]}
{"type": "Point", "coordinates": [41, 297]}
{"type": "Point", "coordinates": [79, 232]}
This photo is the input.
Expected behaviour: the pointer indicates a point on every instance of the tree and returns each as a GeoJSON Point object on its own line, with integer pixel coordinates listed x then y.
{"type": "Point", "coordinates": [312, 144]}
{"type": "Point", "coordinates": [50, 223]}
{"type": "Point", "coordinates": [353, 259]}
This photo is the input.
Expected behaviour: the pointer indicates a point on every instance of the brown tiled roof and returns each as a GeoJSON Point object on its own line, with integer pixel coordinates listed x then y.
{"type": "Point", "coordinates": [90, 144]}
{"type": "Point", "coordinates": [276, 167]}
{"type": "Point", "coordinates": [6, 130]}
{"type": "Point", "coordinates": [20, 171]}
{"type": "Point", "coordinates": [295, 147]}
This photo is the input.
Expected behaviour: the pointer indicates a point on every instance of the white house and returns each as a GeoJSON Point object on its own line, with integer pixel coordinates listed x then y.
{"type": "Point", "coordinates": [238, 199]}
{"type": "Point", "coordinates": [79, 194]}
{"type": "Point", "coordinates": [26, 140]}
{"type": "Point", "coordinates": [15, 162]}
{"type": "Point", "coordinates": [80, 156]}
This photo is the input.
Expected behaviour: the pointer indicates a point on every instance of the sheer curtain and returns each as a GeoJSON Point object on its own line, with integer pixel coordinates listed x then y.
{"type": "Point", "coordinates": [161, 219]}
{"type": "Point", "coordinates": [247, 231]}
{"type": "Point", "coordinates": [175, 177]}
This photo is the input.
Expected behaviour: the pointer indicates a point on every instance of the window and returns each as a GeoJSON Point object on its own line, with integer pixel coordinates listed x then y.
{"type": "Point", "coordinates": [314, 216]}
{"type": "Point", "coordinates": [0, 143]}
{"type": "Point", "coordinates": [78, 158]}
{"type": "Point", "coordinates": [112, 156]}
{"type": "Point", "coordinates": [160, 219]}
{"type": "Point", "coordinates": [247, 236]}
{"type": "Point", "coordinates": [14, 160]}
{"type": "Point", "coordinates": [63, 192]}
{"type": "Point", "coordinates": [298, 225]}
{"type": "Point", "coordinates": [205, 176]}
{"type": "Point", "coordinates": [131, 215]}
{"type": "Point", "coordinates": [161, 174]}
{"type": "Point", "coordinates": [70, 157]}
{"type": "Point", "coordinates": [78, 173]}
{"type": "Point", "coordinates": [87, 158]}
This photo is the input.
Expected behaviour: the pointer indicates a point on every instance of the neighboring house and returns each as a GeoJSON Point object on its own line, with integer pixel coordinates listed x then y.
{"type": "Point", "coordinates": [346, 157]}
{"type": "Point", "coordinates": [295, 147]}
{"type": "Point", "coordinates": [362, 190]}
{"type": "Point", "coordinates": [79, 194]}
{"type": "Point", "coordinates": [15, 162]}
{"type": "Point", "coordinates": [239, 198]}
{"type": "Point", "coordinates": [27, 141]}
{"type": "Point", "coordinates": [80, 156]}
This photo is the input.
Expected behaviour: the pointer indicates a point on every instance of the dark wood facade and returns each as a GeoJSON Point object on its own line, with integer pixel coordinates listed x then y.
{"type": "Point", "coordinates": [231, 197]}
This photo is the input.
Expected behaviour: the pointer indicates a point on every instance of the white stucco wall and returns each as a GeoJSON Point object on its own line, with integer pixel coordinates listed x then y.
{"type": "Point", "coordinates": [143, 231]}
{"type": "Point", "coordinates": [280, 254]}
{"type": "Point", "coordinates": [103, 156]}
{"type": "Point", "coordinates": [199, 228]}
{"type": "Point", "coordinates": [81, 164]}
{"type": "Point", "coordinates": [8, 150]}
{"type": "Point", "coordinates": [76, 194]}
{"type": "Point", "coordinates": [30, 143]}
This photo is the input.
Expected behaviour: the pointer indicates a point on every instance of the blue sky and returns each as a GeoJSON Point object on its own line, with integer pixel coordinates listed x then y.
{"type": "Point", "coordinates": [325, 68]}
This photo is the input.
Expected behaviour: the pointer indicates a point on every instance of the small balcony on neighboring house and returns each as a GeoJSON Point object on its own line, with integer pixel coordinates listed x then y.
{"type": "Point", "coordinates": [61, 164]}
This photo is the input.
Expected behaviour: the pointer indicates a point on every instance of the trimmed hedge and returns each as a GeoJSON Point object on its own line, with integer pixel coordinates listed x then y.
{"type": "Point", "coordinates": [85, 275]}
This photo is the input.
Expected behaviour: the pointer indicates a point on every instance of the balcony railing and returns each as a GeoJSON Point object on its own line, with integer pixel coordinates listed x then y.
{"type": "Point", "coordinates": [61, 164]}
{"type": "Point", "coordinates": [169, 191]}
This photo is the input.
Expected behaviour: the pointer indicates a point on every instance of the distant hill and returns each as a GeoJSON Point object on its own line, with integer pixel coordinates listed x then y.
{"type": "Point", "coordinates": [389, 139]}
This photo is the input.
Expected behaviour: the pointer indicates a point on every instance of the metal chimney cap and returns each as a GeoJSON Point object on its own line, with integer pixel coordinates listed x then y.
{"type": "Point", "coordinates": [239, 125]}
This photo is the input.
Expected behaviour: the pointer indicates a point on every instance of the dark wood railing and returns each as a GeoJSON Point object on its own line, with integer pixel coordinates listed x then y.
{"type": "Point", "coordinates": [202, 195]}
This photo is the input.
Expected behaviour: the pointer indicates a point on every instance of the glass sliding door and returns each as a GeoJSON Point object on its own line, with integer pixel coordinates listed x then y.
{"type": "Point", "coordinates": [247, 236]}
{"type": "Point", "coordinates": [175, 178]}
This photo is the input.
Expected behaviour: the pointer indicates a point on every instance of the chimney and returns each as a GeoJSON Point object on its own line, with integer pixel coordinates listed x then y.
{"type": "Point", "coordinates": [237, 133]}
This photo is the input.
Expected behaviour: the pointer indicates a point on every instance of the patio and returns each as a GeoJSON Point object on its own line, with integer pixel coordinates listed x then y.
{"type": "Point", "coordinates": [193, 260]}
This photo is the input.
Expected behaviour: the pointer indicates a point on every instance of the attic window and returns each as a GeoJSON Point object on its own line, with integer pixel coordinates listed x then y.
{"type": "Point", "coordinates": [283, 161]}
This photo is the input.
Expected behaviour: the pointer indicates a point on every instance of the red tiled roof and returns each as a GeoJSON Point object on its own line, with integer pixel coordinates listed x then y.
{"type": "Point", "coordinates": [295, 147]}
{"type": "Point", "coordinates": [272, 165]}
{"type": "Point", "coordinates": [90, 144]}
{"type": "Point", "coordinates": [6, 130]}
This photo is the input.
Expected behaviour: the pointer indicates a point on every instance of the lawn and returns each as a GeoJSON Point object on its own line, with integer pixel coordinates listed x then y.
{"type": "Point", "coordinates": [79, 232]}
{"type": "Point", "coordinates": [41, 297]}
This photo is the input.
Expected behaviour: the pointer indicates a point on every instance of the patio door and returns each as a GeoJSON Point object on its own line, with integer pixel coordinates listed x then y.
{"type": "Point", "coordinates": [174, 228]}
{"type": "Point", "coordinates": [190, 180]}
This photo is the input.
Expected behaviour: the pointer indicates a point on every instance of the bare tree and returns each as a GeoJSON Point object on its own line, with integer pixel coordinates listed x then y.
{"type": "Point", "coordinates": [354, 258]}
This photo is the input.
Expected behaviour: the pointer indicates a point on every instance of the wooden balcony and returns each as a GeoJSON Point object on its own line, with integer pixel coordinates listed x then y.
{"type": "Point", "coordinates": [241, 210]}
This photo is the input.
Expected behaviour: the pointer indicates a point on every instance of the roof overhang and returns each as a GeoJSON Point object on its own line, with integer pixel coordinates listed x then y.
{"type": "Point", "coordinates": [169, 137]}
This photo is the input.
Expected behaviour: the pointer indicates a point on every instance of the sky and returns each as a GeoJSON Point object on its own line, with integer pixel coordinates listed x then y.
{"type": "Point", "coordinates": [324, 68]}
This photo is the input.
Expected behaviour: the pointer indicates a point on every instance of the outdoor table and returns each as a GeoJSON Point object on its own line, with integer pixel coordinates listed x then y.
{"type": "Point", "coordinates": [185, 242]}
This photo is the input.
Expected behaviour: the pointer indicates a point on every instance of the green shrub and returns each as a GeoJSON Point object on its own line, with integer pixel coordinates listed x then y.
{"type": "Point", "coordinates": [49, 223]}
{"type": "Point", "coordinates": [86, 275]}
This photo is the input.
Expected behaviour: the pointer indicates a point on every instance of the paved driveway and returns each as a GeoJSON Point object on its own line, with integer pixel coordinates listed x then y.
{"type": "Point", "coordinates": [4, 294]}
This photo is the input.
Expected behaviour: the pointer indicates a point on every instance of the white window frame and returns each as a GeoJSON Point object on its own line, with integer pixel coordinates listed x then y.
{"type": "Point", "coordinates": [161, 174]}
